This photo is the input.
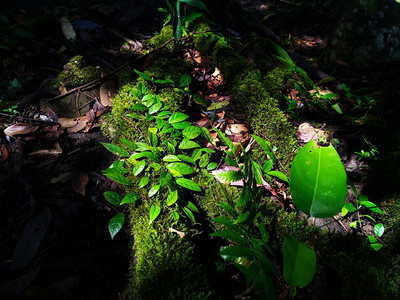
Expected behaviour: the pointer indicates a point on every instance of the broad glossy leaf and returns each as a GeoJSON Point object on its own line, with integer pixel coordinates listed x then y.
{"type": "Point", "coordinates": [204, 160]}
{"type": "Point", "coordinates": [116, 149]}
{"type": "Point", "coordinates": [212, 166]}
{"type": "Point", "coordinates": [171, 158]}
{"type": "Point", "coordinates": [154, 212]}
{"type": "Point", "coordinates": [144, 181]}
{"type": "Point", "coordinates": [229, 176]}
{"type": "Point", "coordinates": [188, 145]}
{"type": "Point", "coordinates": [148, 100]}
{"type": "Point", "coordinates": [318, 181]}
{"type": "Point", "coordinates": [128, 143]}
{"type": "Point", "coordinates": [172, 198]}
{"type": "Point", "coordinates": [177, 117]}
{"type": "Point", "coordinates": [185, 80]}
{"type": "Point", "coordinates": [372, 206]}
{"type": "Point", "coordinates": [154, 190]}
{"type": "Point", "coordinates": [143, 147]}
{"type": "Point", "coordinates": [115, 224]}
{"type": "Point", "coordinates": [379, 229]}
{"type": "Point", "coordinates": [181, 125]}
{"type": "Point", "coordinates": [155, 108]}
{"type": "Point", "coordinates": [139, 106]}
{"type": "Point", "coordinates": [187, 159]}
{"type": "Point", "coordinates": [189, 184]}
{"type": "Point", "coordinates": [118, 178]}
{"type": "Point", "coordinates": [130, 198]}
{"type": "Point", "coordinates": [138, 168]}
{"type": "Point", "coordinates": [113, 197]}
{"type": "Point", "coordinates": [299, 263]}
{"type": "Point", "coordinates": [181, 168]}
{"type": "Point", "coordinates": [191, 132]}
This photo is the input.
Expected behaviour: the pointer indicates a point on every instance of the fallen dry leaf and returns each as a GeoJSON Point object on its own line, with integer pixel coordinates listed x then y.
{"type": "Point", "coordinates": [67, 122]}
{"type": "Point", "coordinates": [81, 123]}
{"type": "Point", "coordinates": [3, 153]}
{"type": "Point", "coordinates": [21, 128]}
{"type": "Point", "coordinates": [79, 182]}
{"type": "Point", "coordinates": [54, 152]}
{"type": "Point", "coordinates": [107, 93]}
{"type": "Point", "coordinates": [306, 133]}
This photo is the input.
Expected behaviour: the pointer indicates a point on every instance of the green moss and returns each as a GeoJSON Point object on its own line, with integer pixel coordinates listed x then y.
{"type": "Point", "coordinates": [164, 36]}
{"type": "Point", "coordinates": [276, 80]}
{"type": "Point", "coordinates": [76, 73]}
{"type": "Point", "coordinates": [165, 265]}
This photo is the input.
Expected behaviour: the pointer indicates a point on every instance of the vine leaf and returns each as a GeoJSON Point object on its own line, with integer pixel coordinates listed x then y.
{"type": "Point", "coordinates": [189, 184]}
{"type": "Point", "coordinates": [172, 198]}
{"type": "Point", "coordinates": [113, 197]}
{"type": "Point", "coordinates": [154, 212]}
{"type": "Point", "coordinates": [154, 190]}
{"type": "Point", "coordinates": [116, 149]}
{"type": "Point", "coordinates": [191, 132]}
{"type": "Point", "coordinates": [138, 168]}
{"type": "Point", "coordinates": [177, 117]}
{"type": "Point", "coordinates": [115, 224]}
{"type": "Point", "coordinates": [130, 198]}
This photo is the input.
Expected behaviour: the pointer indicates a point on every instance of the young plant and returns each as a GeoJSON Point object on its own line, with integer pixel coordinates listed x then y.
{"type": "Point", "coordinates": [246, 231]}
{"type": "Point", "coordinates": [363, 205]}
{"type": "Point", "coordinates": [371, 154]}
{"type": "Point", "coordinates": [164, 164]}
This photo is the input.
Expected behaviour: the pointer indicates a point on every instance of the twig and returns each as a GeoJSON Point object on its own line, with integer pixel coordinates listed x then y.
{"type": "Point", "coordinates": [27, 119]}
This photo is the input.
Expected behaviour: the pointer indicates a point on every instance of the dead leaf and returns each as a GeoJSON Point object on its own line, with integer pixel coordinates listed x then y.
{"type": "Point", "coordinates": [54, 152]}
{"type": "Point", "coordinates": [79, 182]}
{"type": "Point", "coordinates": [67, 122]}
{"type": "Point", "coordinates": [107, 93]}
{"type": "Point", "coordinates": [236, 128]}
{"type": "Point", "coordinates": [31, 238]}
{"type": "Point", "coordinates": [81, 123]}
{"type": "Point", "coordinates": [67, 29]}
{"type": "Point", "coordinates": [3, 153]}
{"type": "Point", "coordinates": [20, 128]}
{"type": "Point", "coordinates": [306, 133]}
{"type": "Point", "coordinates": [63, 177]}
{"type": "Point", "coordinates": [181, 234]}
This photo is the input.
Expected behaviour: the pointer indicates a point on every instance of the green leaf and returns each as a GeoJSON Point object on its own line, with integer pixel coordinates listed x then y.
{"type": "Point", "coordinates": [379, 229]}
{"type": "Point", "coordinates": [337, 108]}
{"type": "Point", "coordinates": [192, 207]}
{"type": "Point", "coordinates": [185, 80]}
{"type": "Point", "coordinates": [116, 149]}
{"type": "Point", "coordinates": [181, 168]}
{"type": "Point", "coordinates": [229, 176]}
{"type": "Point", "coordinates": [257, 172]}
{"type": "Point", "coordinates": [187, 159]}
{"type": "Point", "coordinates": [144, 181]}
{"type": "Point", "coordinates": [188, 184]}
{"type": "Point", "coordinates": [376, 246]}
{"type": "Point", "coordinates": [138, 168]}
{"type": "Point", "coordinates": [150, 155]}
{"type": "Point", "coordinates": [143, 147]}
{"type": "Point", "coordinates": [177, 29]}
{"type": "Point", "coordinates": [267, 166]}
{"type": "Point", "coordinates": [224, 139]}
{"type": "Point", "coordinates": [130, 198]}
{"type": "Point", "coordinates": [181, 125]}
{"type": "Point", "coordinates": [205, 158]}
{"type": "Point", "coordinates": [154, 212]}
{"type": "Point", "coordinates": [164, 81]}
{"type": "Point", "coordinates": [189, 213]}
{"type": "Point", "coordinates": [140, 107]}
{"type": "Point", "coordinates": [148, 100]}
{"type": "Point", "coordinates": [177, 117]}
{"type": "Point", "coordinates": [175, 215]}
{"type": "Point", "coordinates": [212, 166]}
{"type": "Point", "coordinates": [113, 197]}
{"type": "Point", "coordinates": [231, 236]}
{"type": "Point", "coordinates": [368, 204]}
{"type": "Point", "coordinates": [196, 3]}
{"type": "Point", "coordinates": [154, 190]}
{"type": "Point", "coordinates": [188, 145]}
{"type": "Point", "coordinates": [234, 252]}
{"type": "Point", "coordinates": [142, 88]}
{"type": "Point", "coordinates": [155, 108]}
{"type": "Point", "coordinates": [299, 263]}
{"type": "Point", "coordinates": [118, 178]}
{"type": "Point", "coordinates": [144, 76]}
{"type": "Point", "coordinates": [128, 143]}
{"type": "Point", "coordinates": [172, 198]}
{"type": "Point", "coordinates": [171, 148]}
{"type": "Point", "coordinates": [191, 132]}
{"type": "Point", "coordinates": [278, 174]}
{"type": "Point", "coordinates": [318, 181]}
{"type": "Point", "coordinates": [242, 217]}
{"type": "Point", "coordinates": [153, 139]}
{"type": "Point", "coordinates": [115, 224]}
{"type": "Point", "coordinates": [218, 105]}
{"type": "Point", "coordinates": [199, 99]}
{"type": "Point", "coordinates": [171, 158]}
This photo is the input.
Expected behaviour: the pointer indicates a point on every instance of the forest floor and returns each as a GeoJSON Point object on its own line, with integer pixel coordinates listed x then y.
{"type": "Point", "coordinates": [54, 242]}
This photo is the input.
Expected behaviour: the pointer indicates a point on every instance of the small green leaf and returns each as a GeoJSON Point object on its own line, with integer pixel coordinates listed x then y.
{"type": "Point", "coordinates": [267, 166]}
{"type": "Point", "coordinates": [242, 217]}
{"type": "Point", "coordinates": [143, 75]}
{"type": "Point", "coordinates": [153, 139]}
{"type": "Point", "coordinates": [150, 155]}
{"type": "Point", "coordinates": [353, 224]}
{"type": "Point", "coordinates": [142, 88]}
{"type": "Point", "coordinates": [189, 184]}
{"type": "Point", "coordinates": [115, 224]}
{"type": "Point", "coordinates": [171, 158]}
{"type": "Point", "coordinates": [196, 154]}
{"type": "Point", "coordinates": [181, 125]}
{"type": "Point", "coordinates": [185, 80]}
{"type": "Point", "coordinates": [368, 204]}
{"type": "Point", "coordinates": [218, 105]}
{"type": "Point", "coordinates": [116, 149]}
{"type": "Point", "coordinates": [154, 212]}
{"type": "Point", "coordinates": [144, 181]}
{"type": "Point", "coordinates": [299, 264]}
{"type": "Point", "coordinates": [191, 206]}
{"type": "Point", "coordinates": [118, 178]}
{"type": "Point", "coordinates": [233, 252]}
{"type": "Point", "coordinates": [187, 159]}
{"type": "Point", "coordinates": [155, 108]}
{"type": "Point", "coordinates": [376, 246]}
{"type": "Point", "coordinates": [229, 176]}
{"type": "Point", "coordinates": [164, 81]}
{"type": "Point", "coordinates": [196, 3]}
{"type": "Point", "coordinates": [113, 197]}
{"type": "Point", "coordinates": [337, 108]}
{"type": "Point", "coordinates": [212, 166]}
{"type": "Point", "coordinates": [148, 100]}
{"type": "Point", "coordinates": [130, 198]}
{"type": "Point", "coordinates": [154, 190]}
{"type": "Point", "coordinates": [189, 213]}
{"type": "Point", "coordinates": [231, 236]}
{"type": "Point", "coordinates": [177, 117]}
{"type": "Point", "coordinates": [379, 229]}
{"type": "Point", "coordinates": [128, 143]}
{"type": "Point", "coordinates": [172, 198]}
{"type": "Point", "coordinates": [138, 168]}
{"type": "Point", "coordinates": [205, 158]}
{"type": "Point", "coordinates": [181, 168]}
{"type": "Point", "coordinates": [155, 166]}
{"type": "Point", "coordinates": [191, 132]}
{"type": "Point", "coordinates": [278, 174]}
{"type": "Point", "coordinates": [175, 215]}
{"type": "Point", "coordinates": [143, 147]}
{"type": "Point", "coordinates": [199, 99]}
{"type": "Point", "coordinates": [188, 145]}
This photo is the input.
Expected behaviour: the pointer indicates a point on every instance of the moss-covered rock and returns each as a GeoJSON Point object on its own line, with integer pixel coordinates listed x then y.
{"type": "Point", "coordinates": [76, 73]}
